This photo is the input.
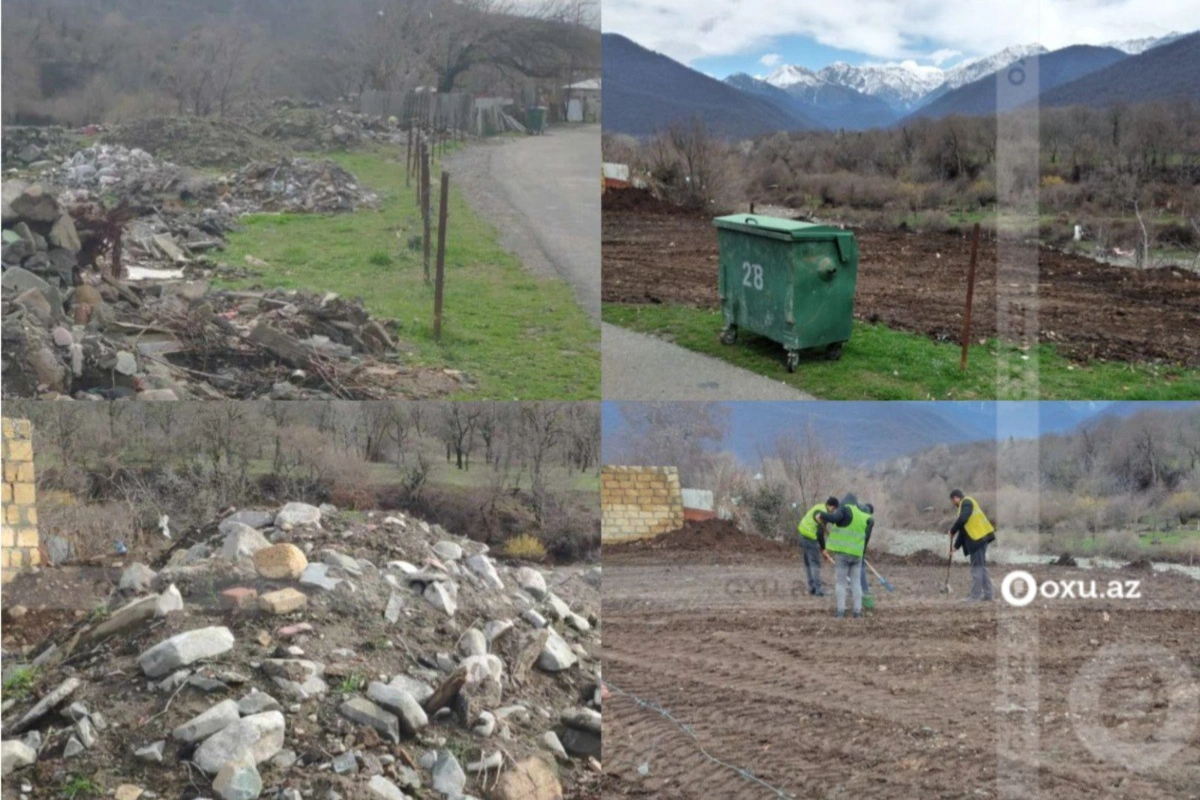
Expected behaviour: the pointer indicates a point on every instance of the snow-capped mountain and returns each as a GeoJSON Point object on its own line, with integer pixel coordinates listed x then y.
{"type": "Point", "coordinates": [975, 68]}
{"type": "Point", "coordinates": [1136, 46]}
{"type": "Point", "coordinates": [898, 85]}
{"type": "Point", "coordinates": [791, 75]}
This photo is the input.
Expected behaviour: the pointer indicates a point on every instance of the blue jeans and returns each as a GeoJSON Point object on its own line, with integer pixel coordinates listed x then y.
{"type": "Point", "coordinates": [812, 563]}
{"type": "Point", "coordinates": [847, 569]}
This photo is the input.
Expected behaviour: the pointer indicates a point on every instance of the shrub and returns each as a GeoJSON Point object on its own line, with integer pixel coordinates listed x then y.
{"type": "Point", "coordinates": [525, 546]}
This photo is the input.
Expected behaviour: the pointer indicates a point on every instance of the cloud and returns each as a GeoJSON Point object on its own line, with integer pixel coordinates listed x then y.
{"type": "Point", "coordinates": [889, 30]}
{"type": "Point", "coordinates": [769, 60]}
{"type": "Point", "coordinates": [940, 57]}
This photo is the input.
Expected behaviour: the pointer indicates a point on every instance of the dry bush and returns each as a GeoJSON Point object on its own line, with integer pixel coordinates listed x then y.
{"type": "Point", "coordinates": [91, 530]}
{"type": "Point", "coordinates": [526, 547]}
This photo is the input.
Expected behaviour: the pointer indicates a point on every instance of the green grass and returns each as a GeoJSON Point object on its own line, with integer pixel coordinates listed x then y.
{"type": "Point", "coordinates": [80, 786]}
{"type": "Point", "coordinates": [352, 683]}
{"type": "Point", "coordinates": [516, 335]}
{"type": "Point", "coordinates": [19, 683]}
{"type": "Point", "coordinates": [879, 363]}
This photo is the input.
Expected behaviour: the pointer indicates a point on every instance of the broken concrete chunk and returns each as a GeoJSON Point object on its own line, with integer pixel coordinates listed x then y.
{"type": "Point", "coordinates": [365, 712]}
{"type": "Point", "coordinates": [255, 738]}
{"type": "Point", "coordinates": [206, 724]}
{"type": "Point", "coordinates": [184, 649]}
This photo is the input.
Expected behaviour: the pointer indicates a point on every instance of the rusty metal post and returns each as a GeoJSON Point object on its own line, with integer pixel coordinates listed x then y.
{"type": "Point", "coordinates": [966, 331]}
{"type": "Point", "coordinates": [440, 280]}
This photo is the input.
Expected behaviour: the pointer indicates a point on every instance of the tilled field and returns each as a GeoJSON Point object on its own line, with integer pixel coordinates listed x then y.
{"type": "Point", "coordinates": [917, 282]}
{"type": "Point", "coordinates": [925, 697]}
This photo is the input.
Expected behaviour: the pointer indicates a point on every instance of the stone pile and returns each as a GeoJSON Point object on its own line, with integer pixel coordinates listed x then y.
{"type": "Point", "coordinates": [404, 662]}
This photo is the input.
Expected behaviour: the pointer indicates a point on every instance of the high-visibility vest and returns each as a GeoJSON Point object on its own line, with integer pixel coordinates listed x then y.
{"type": "Point", "coordinates": [978, 525]}
{"type": "Point", "coordinates": [851, 539]}
{"type": "Point", "coordinates": [808, 524]}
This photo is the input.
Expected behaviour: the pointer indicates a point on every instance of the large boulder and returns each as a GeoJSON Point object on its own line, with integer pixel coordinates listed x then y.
{"type": "Point", "coordinates": [36, 204]}
{"type": "Point", "coordinates": [15, 754]}
{"type": "Point", "coordinates": [298, 514]}
{"type": "Point", "coordinates": [241, 541]}
{"type": "Point", "coordinates": [531, 779]}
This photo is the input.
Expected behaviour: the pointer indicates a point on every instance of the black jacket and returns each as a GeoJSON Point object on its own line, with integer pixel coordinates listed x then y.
{"type": "Point", "coordinates": [959, 530]}
{"type": "Point", "coordinates": [841, 518]}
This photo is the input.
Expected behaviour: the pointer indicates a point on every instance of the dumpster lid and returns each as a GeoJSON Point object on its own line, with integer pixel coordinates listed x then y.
{"type": "Point", "coordinates": [762, 224]}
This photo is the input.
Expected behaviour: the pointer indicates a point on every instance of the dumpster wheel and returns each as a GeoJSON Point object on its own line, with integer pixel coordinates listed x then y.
{"type": "Point", "coordinates": [834, 351]}
{"type": "Point", "coordinates": [793, 360]}
{"type": "Point", "coordinates": [729, 335]}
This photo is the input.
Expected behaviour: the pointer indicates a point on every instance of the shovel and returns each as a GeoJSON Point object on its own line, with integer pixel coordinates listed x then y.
{"type": "Point", "coordinates": [882, 579]}
{"type": "Point", "coordinates": [949, 558]}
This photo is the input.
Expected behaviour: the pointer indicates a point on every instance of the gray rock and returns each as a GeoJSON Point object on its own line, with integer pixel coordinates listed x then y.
{"type": "Point", "coordinates": [581, 744]}
{"type": "Point", "coordinates": [448, 551]}
{"type": "Point", "coordinates": [418, 689]}
{"type": "Point", "coordinates": [407, 777]}
{"type": "Point", "coordinates": [495, 629]}
{"type": "Point", "coordinates": [531, 581]}
{"type": "Point", "coordinates": [473, 643]}
{"type": "Point", "coordinates": [584, 719]}
{"type": "Point", "coordinates": [298, 514]}
{"type": "Point", "coordinates": [384, 789]}
{"type": "Point", "coordinates": [126, 363]}
{"type": "Point", "coordinates": [482, 566]}
{"type": "Point", "coordinates": [340, 561]}
{"type": "Point", "coordinates": [256, 703]}
{"type": "Point", "coordinates": [298, 678]}
{"type": "Point", "coordinates": [184, 649]}
{"type": "Point", "coordinates": [534, 618]}
{"type": "Point", "coordinates": [74, 747]}
{"type": "Point", "coordinates": [52, 700]}
{"type": "Point", "coordinates": [62, 234]}
{"type": "Point", "coordinates": [448, 776]}
{"type": "Point", "coordinates": [238, 781]}
{"type": "Point", "coordinates": [152, 752]}
{"type": "Point", "coordinates": [395, 606]}
{"type": "Point", "coordinates": [318, 575]}
{"type": "Point", "coordinates": [558, 608]}
{"type": "Point", "coordinates": [441, 596]}
{"type": "Point", "coordinates": [12, 189]}
{"type": "Point", "coordinates": [255, 519]}
{"type": "Point", "coordinates": [22, 280]}
{"type": "Point", "coordinates": [256, 738]}
{"type": "Point", "coordinates": [14, 755]}
{"type": "Point", "coordinates": [36, 204]}
{"type": "Point", "coordinates": [285, 759]}
{"type": "Point", "coordinates": [364, 712]}
{"type": "Point", "coordinates": [556, 655]}
{"type": "Point", "coordinates": [217, 718]}
{"type": "Point", "coordinates": [86, 733]}
{"type": "Point", "coordinates": [400, 703]}
{"type": "Point", "coordinates": [554, 745]}
{"type": "Point", "coordinates": [486, 724]}
{"type": "Point", "coordinates": [137, 578]}
{"type": "Point", "coordinates": [346, 763]}
{"type": "Point", "coordinates": [241, 541]}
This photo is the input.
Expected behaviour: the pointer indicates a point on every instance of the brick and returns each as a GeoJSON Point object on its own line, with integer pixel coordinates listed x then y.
{"type": "Point", "coordinates": [15, 558]}
{"type": "Point", "coordinates": [33, 556]}
{"type": "Point", "coordinates": [25, 472]}
{"type": "Point", "coordinates": [24, 494]}
{"type": "Point", "coordinates": [6, 492]}
{"type": "Point", "coordinates": [31, 515]}
{"type": "Point", "coordinates": [20, 450]}
{"type": "Point", "coordinates": [4, 558]}
{"type": "Point", "coordinates": [11, 470]}
{"type": "Point", "coordinates": [27, 537]}
{"type": "Point", "coordinates": [239, 597]}
{"type": "Point", "coordinates": [8, 537]}
{"type": "Point", "coordinates": [12, 514]}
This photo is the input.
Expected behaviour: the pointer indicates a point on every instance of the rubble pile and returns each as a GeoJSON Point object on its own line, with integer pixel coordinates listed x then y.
{"type": "Point", "coordinates": [195, 141]}
{"type": "Point", "coordinates": [178, 340]}
{"type": "Point", "coordinates": [299, 653]}
{"type": "Point", "coordinates": [40, 241]}
{"type": "Point", "coordinates": [313, 127]}
{"type": "Point", "coordinates": [129, 176]}
{"type": "Point", "coordinates": [297, 185]}
{"type": "Point", "coordinates": [25, 145]}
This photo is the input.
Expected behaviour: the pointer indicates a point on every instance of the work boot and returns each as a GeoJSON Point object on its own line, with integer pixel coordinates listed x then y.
{"type": "Point", "coordinates": [858, 615]}
{"type": "Point", "coordinates": [819, 593]}
{"type": "Point", "coordinates": [839, 614]}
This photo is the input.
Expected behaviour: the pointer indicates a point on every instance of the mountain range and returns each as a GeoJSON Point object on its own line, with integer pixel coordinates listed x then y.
{"type": "Point", "coordinates": [842, 95]}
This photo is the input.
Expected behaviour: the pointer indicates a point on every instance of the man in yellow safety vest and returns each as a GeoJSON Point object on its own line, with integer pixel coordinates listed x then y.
{"type": "Point", "coordinates": [973, 533]}
{"type": "Point", "coordinates": [812, 541]}
{"type": "Point", "coordinates": [847, 538]}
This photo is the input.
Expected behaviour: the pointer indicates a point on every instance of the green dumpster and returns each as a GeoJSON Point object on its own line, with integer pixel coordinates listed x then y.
{"type": "Point", "coordinates": [535, 119]}
{"type": "Point", "coordinates": [789, 281]}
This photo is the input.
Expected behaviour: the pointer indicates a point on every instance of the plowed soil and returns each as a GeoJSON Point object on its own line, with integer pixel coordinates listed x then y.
{"type": "Point", "coordinates": [707, 536]}
{"type": "Point", "coordinates": [917, 282]}
{"type": "Point", "coordinates": [925, 697]}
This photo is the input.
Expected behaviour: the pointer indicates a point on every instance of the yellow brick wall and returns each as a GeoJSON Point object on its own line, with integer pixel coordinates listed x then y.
{"type": "Point", "coordinates": [20, 533]}
{"type": "Point", "coordinates": [637, 502]}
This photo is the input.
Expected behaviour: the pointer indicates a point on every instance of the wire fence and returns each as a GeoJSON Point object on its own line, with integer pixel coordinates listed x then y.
{"type": "Point", "coordinates": [745, 774]}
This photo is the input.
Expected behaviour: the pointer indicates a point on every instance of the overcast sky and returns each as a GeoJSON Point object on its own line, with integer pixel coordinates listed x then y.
{"type": "Point", "coordinates": [724, 36]}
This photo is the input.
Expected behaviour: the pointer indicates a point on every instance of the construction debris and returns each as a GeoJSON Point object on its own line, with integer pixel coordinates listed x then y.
{"type": "Point", "coordinates": [337, 700]}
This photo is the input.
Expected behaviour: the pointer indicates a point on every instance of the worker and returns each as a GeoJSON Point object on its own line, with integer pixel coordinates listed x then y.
{"type": "Point", "coordinates": [846, 537]}
{"type": "Point", "coordinates": [812, 541]}
{"type": "Point", "coordinates": [973, 532]}
{"type": "Point", "coordinates": [868, 598]}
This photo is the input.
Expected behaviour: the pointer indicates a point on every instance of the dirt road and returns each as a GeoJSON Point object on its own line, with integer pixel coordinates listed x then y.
{"type": "Point", "coordinates": [926, 697]}
{"type": "Point", "coordinates": [917, 282]}
{"type": "Point", "coordinates": [543, 194]}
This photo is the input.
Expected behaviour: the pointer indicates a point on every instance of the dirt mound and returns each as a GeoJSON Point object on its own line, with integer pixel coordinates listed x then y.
{"type": "Point", "coordinates": [23, 145]}
{"type": "Point", "coordinates": [920, 558]}
{"type": "Point", "coordinates": [385, 601]}
{"type": "Point", "coordinates": [707, 536]}
{"type": "Point", "coordinates": [640, 201]}
{"type": "Point", "coordinates": [1140, 565]}
{"type": "Point", "coordinates": [196, 141]}
{"type": "Point", "coordinates": [1065, 560]}
{"type": "Point", "coordinates": [916, 282]}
